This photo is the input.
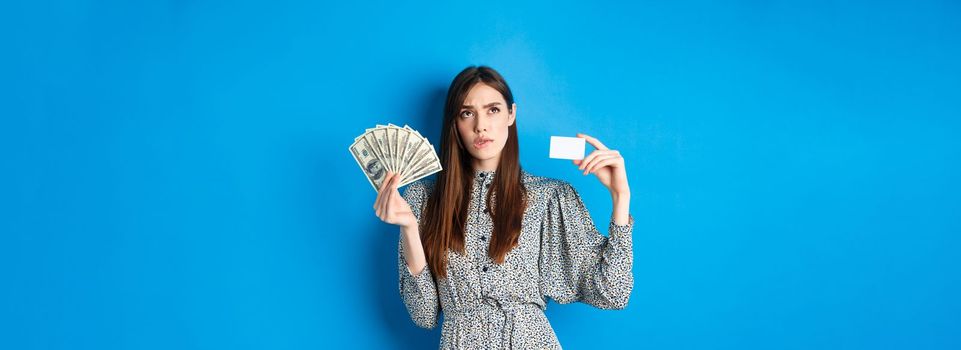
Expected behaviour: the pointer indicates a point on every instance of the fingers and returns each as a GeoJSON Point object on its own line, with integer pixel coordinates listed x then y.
{"type": "Point", "coordinates": [386, 182]}
{"type": "Point", "coordinates": [394, 183]}
{"type": "Point", "coordinates": [593, 141]}
{"type": "Point", "coordinates": [590, 157]}
{"type": "Point", "coordinates": [588, 168]}
{"type": "Point", "coordinates": [384, 195]}
{"type": "Point", "coordinates": [385, 210]}
{"type": "Point", "coordinates": [582, 162]}
{"type": "Point", "coordinates": [389, 193]}
{"type": "Point", "coordinates": [380, 193]}
{"type": "Point", "coordinates": [386, 206]}
{"type": "Point", "coordinates": [603, 163]}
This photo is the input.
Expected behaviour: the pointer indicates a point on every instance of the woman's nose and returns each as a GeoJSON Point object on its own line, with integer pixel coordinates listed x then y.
{"type": "Point", "coordinates": [480, 125]}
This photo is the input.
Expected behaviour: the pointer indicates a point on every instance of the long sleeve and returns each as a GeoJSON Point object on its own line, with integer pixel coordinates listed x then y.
{"type": "Point", "coordinates": [417, 288]}
{"type": "Point", "coordinates": [578, 263]}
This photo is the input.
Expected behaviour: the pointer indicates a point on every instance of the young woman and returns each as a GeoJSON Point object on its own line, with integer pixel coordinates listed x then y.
{"type": "Point", "coordinates": [487, 242]}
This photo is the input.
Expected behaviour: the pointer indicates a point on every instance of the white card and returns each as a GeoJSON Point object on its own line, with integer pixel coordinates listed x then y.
{"type": "Point", "coordinates": [567, 147]}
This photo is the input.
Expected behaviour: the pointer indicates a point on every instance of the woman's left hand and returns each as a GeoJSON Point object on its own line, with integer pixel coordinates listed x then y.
{"type": "Point", "coordinates": [607, 165]}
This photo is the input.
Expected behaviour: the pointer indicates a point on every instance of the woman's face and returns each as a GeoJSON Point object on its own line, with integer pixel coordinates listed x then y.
{"type": "Point", "coordinates": [482, 124]}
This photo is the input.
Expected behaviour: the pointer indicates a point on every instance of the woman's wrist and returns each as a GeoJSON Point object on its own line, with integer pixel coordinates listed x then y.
{"type": "Point", "coordinates": [621, 196]}
{"type": "Point", "coordinates": [410, 229]}
{"type": "Point", "coordinates": [622, 207]}
{"type": "Point", "coordinates": [413, 251]}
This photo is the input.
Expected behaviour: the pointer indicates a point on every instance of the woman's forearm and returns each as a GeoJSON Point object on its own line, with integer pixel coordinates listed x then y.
{"type": "Point", "coordinates": [413, 250]}
{"type": "Point", "coordinates": [622, 207]}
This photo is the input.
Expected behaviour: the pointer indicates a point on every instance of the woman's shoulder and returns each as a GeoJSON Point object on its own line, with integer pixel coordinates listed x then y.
{"type": "Point", "coordinates": [544, 185]}
{"type": "Point", "coordinates": [419, 189]}
{"type": "Point", "coordinates": [426, 182]}
{"type": "Point", "coordinates": [534, 183]}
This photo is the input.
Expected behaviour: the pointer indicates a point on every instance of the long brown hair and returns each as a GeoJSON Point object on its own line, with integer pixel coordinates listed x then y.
{"type": "Point", "coordinates": [445, 214]}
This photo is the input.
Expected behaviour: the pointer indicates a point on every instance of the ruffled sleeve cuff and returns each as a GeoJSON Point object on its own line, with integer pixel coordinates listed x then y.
{"type": "Point", "coordinates": [621, 230]}
{"type": "Point", "coordinates": [422, 282]}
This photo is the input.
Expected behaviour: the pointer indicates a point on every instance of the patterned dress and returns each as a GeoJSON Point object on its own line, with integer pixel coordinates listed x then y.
{"type": "Point", "coordinates": [561, 255]}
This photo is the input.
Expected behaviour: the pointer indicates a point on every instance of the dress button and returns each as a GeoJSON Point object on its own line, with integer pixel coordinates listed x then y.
{"type": "Point", "coordinates": [487, 210]}
{"type": "Point", "coordinates": [484, 238]}
{"type": "Point", "coordinates": [485, 268]}
{"type": "Point", "coordinates": [487, 185]}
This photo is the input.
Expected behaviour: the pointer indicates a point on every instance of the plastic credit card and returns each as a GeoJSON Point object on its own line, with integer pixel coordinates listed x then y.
{"type": "Point", "coordinates": [567, 147]}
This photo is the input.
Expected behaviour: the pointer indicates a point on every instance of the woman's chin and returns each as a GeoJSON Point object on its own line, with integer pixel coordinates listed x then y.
{"type": "Point", "coordinates": [483, 155]}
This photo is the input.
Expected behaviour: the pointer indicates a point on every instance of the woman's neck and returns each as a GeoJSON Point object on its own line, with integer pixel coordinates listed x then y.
{"type": "Point", "coordinates": [485, 165]}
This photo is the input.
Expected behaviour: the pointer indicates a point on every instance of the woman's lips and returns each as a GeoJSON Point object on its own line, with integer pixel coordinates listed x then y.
{"type": "Point", "coordinates": [482, 143]}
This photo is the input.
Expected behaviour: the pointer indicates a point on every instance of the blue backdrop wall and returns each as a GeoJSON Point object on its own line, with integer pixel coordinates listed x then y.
{"type": "Point", "coordinates": [175, 174]}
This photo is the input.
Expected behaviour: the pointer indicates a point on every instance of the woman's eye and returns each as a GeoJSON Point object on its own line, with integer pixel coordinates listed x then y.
{"type": "Point", "coordinates": [495, 110]}
{"type": "Point", "coordinates": [466, 114]}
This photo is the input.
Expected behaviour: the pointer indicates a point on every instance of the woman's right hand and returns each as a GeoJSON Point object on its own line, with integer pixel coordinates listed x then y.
{"type": "Point", "coordinates": [391, 207]}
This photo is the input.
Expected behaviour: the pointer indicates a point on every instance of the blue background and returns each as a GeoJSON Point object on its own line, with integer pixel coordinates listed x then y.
{"type": "Point", "coordinates": [175, 174]}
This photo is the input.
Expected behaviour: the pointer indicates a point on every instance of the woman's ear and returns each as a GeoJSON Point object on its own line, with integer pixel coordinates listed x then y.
{"type": "Point", "coordinates": [513, 114]}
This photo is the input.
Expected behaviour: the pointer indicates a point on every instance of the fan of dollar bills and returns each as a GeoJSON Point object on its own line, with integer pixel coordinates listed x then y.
{"type": "Point", "coordinates": [401, 150]}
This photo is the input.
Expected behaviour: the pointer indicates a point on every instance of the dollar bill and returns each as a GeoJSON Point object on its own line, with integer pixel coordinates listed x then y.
{"type": "Point", "coordinates": [399, 149]}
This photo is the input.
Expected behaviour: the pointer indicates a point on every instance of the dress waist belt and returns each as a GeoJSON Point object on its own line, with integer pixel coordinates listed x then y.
{"type": "Point", "coordinates": [508, 308]}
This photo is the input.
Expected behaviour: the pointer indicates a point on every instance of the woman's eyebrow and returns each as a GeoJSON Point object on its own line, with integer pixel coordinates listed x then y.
{"type": "Point", "coordinates": [485, 106]}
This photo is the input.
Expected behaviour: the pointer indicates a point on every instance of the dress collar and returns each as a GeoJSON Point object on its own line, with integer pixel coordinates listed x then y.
{"type": "Point", "coordinates": [489, 174]}
{"type": "Point", "coordinates": [484, 173]}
